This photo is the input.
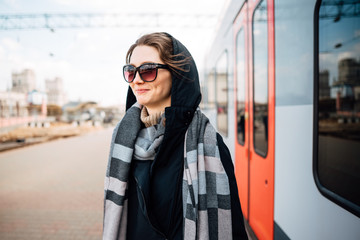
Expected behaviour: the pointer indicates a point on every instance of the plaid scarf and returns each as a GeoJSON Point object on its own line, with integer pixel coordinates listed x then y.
{"type": "Point", "coordinates": [205, 188]}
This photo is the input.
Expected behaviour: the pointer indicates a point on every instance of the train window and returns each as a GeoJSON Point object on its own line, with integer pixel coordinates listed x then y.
{"type": "Point", "coordinates": [211, 90]}
{"type": "Point", "coordinates": [337, 134]}
{"type": "Point", "coordinates": [260, 73]}
{"type": "Point", "coordinates": [240, 91]}
{"type": "Point", "coordinates": [222, 94]}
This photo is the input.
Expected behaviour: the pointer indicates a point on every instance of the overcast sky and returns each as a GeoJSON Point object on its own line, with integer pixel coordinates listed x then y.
{"type": "Point", "coordinates": [90, 60]}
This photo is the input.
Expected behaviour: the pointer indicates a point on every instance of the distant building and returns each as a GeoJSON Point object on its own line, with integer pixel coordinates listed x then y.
{"type": "Point", "coordinates": [79, 111]}
{"type": "Point", "coordinates": [348, 82]}
{"type": "Point", "coordinates": [55, 92]}
{"type": "Point", "coordinates": [90, 111]}
{"type": "Point", "coordinates": [13, 104]}
{"type": "Point", "coordinates": [24, 81]}
{"type": "Point", "coordinates": [37, 103]}
{"type": "Point", "coordinates": [349, 72]}
{"type": "Point", "coordinates": [324, 87]}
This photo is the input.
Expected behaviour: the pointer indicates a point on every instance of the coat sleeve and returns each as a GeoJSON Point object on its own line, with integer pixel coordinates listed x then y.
{"type": "Point", "coordinates": [238, 227]}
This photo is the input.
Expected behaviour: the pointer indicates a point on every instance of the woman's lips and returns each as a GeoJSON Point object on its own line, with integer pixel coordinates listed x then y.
{"type": "Point", "coordinates": [140, 91]}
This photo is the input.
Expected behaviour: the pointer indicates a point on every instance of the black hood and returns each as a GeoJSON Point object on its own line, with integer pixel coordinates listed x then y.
{"type": "Point", "coordinates": [185, 91]}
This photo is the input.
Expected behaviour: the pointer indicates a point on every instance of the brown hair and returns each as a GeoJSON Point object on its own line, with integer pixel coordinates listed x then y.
{"type": "Point", "coordinates": [163, 43]}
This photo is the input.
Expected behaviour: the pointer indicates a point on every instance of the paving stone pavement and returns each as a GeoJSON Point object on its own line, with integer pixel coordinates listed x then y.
{"type": "Point", "coordinates": [54, 190]}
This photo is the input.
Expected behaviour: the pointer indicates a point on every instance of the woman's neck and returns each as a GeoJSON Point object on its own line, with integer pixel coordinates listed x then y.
{"type": "Point", "coordinates": [150, 119]}
{"type": "Point", "coordinates": [154, 110]}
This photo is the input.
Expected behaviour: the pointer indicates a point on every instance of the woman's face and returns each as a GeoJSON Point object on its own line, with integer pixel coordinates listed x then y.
{"type": "Point", "coordinates": [154, 95]}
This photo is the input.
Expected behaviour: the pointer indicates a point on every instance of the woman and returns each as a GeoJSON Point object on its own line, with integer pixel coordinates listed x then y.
{"type": "Point", "coordinates": [170, 175]}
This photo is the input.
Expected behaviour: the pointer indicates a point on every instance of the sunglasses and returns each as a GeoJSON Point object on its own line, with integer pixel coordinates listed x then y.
{"type": "Point", "coordinates": [147, 71]}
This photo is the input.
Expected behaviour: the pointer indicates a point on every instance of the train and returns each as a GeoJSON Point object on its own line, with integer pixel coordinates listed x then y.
{"type": "Point", "coordinates": [282, 86]}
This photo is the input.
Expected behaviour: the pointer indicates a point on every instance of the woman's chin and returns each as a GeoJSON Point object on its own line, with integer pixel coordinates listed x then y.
{"type": "Point", "coordinates": [141, 101]}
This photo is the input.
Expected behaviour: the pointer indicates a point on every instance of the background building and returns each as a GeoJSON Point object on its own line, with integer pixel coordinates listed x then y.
{"type": "Point", "coordinates": [324, 87]}
{"type": "Point", "coordinates": [349, 72]}
{"type": "Point", "coordinates": [37, 102]}
{"type": "Point", "coordinates": [24, 81]}
{"type": "Point", "coordinates": [13, 104]}
{"type": "Point", "coordinates": [55, 92]}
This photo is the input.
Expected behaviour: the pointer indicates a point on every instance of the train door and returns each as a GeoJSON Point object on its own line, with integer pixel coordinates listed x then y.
{"type": "Point", "coordinates": [242, 109]}
{"type": "Point", "coordinates": [255, 155]}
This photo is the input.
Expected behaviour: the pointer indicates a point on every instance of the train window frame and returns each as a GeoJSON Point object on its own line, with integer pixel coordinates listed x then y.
{"type": "Point", "coordinates": [257, 151]}
{"type": "Point", "coordinates": [241, 31]}
{"type": "Point", "coordinates": [210, 94]}
{"type": "Point", "coordinates": [334, 197]}
{"type": "Point", "coordinates": [224, 54]}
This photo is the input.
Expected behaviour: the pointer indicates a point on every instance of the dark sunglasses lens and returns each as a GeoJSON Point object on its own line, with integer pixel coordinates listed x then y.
{"type": "Point", "coordinates": [148, 72]}
{"type": "Point", "coordinates": [129, 73]}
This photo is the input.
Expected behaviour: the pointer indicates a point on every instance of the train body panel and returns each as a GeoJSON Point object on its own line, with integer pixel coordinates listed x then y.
{"type": "Point", "coordinates": [287, 146]}
{"type": "Point", "coordinates": [300, 210]}
{"type": "Point", "coordinates": [220, 60]}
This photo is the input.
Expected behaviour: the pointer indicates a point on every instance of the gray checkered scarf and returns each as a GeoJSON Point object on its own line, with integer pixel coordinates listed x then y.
{"type": "Point", "coordinates": [205, 189]}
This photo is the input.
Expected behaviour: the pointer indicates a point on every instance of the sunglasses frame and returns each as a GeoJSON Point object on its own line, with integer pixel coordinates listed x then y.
{"type": "Point", "coordinates": [137, 69]}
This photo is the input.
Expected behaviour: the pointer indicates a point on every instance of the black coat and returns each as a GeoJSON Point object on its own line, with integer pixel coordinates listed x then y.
{"type": "Point", "coordinates": [155, 187]}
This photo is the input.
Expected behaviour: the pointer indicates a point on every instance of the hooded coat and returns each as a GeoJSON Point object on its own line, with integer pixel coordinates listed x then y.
{"type": "Point", "coordinates": [155, 209]}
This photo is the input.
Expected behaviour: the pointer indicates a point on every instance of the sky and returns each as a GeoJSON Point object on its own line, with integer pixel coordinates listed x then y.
{"type": "Point", "coordinates": [90, 60]}
{"type": "Point", "coordinates": [345, 32]}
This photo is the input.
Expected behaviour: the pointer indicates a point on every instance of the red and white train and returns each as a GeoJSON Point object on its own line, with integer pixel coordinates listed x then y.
{"type": "Point", "coordinates": [282, 85]}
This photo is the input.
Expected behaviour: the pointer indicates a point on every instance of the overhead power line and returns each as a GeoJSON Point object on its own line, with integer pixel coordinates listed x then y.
{"type": "Point", "coordinates": [105, 20]}
{"type": "Point", "coordinates": [338, 9]}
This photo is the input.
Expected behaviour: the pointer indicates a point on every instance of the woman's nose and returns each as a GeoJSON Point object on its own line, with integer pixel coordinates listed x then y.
{"type": "Point", "coordinates": [138, 79]}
